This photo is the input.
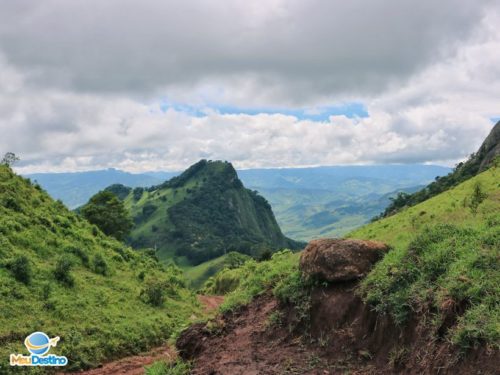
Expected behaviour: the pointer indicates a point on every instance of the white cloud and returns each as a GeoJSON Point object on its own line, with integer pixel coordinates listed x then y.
{"type": "Point", "coordinates": [72, 107]}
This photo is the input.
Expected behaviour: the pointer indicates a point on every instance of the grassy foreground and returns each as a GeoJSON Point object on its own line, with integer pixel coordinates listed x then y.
{"type": "Point", "coordinates": [445, 258]}
{"type": "Point", "coordinates": [62, 276]}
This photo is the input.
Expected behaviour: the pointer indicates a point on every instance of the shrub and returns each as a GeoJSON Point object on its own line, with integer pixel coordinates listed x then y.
{"type": "Point", "coordinates": [99, 265]}
{"type": "Point", "coordinates": [477, 197]}
{"type": "Point", "coordinates": [62, 272]}
{"type": "Point", "coordinates": [21, 269]}
{"type": "Point", "coordinates": [153, 293]}
{"type": "Point", "coordinates": [81, 254]}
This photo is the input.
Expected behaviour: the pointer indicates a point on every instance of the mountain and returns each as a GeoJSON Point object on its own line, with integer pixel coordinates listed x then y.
{"type": "Point", "coordinates": [61, 275]}
{"type": "Point", "coordinates": [75, 188]}
{"type": "Point", "coordinates": [201, 214]}
{"type": "Point", "coordinates": [486, 156]}
{"type": "Point", "coordinates": [358, 180]}
{"type": "Point", "coordinates": [307, 202]}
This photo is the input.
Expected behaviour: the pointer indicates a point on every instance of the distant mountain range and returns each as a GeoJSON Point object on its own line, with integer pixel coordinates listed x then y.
{"type": "Point", "coordinates": [307, 202]}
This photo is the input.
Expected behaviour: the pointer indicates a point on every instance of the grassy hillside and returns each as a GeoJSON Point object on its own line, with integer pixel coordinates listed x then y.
{"type": "Point", "coordinates": [487, 156]}
{"type": "Point", "coordinates": [445, 262]}
{"type": "Point", "coordinates": [61, 275]}
{"type": "Point", "coordinates": [444, 267]}
{"type": "Point", "coordinates": [202, 214]}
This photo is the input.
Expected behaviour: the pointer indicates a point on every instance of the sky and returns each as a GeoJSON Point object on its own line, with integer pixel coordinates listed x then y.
{"type": "Point", "coordinates": [159, 84]}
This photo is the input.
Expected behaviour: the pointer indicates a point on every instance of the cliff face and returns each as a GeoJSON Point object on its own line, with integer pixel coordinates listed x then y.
{"type": "Point", "coordinates": [490, 148]}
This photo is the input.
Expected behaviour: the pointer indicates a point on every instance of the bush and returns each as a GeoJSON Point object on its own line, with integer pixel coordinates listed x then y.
{"type": "Point", "coordinates": [21, 269]}
{"type": "Point", "coordinates": [99, 265]}
{"type": "Point", "coordinates": [79, 253]}
{"type": "Point", "coordinates": [62, 272]}
{"type": "Point", "coordinates": [153, 293]}
{"type": "Point", "coordinates": [477, 197]}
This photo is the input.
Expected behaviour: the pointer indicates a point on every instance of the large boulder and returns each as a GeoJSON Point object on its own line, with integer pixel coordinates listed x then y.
{"type": "Point", "coordinates": [340, 260]}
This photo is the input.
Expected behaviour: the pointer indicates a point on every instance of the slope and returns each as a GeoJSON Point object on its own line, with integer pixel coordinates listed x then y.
{"type": "Point", "coordinates": [445, 258]}
{"type": "Point", "coordinates": [202, 214]}
{"type": "Point", "coordinates": [487, 155]}
{"type": "Point", "coordinates": [431, 305]}
{"type": "Point", "coordinates": [62, 276]}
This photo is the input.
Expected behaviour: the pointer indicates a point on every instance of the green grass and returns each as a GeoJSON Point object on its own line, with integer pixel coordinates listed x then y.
{"type": "Point", "coordinates": [163, 368]}
{"type": "Point", "coordinates": [445, 255]}
{"type": "Point", "coordinates": [199, 274]}
{"type": "Point", "coordinates": [255, 278]}
{"type": "Point", "coordinates": [96, 303]}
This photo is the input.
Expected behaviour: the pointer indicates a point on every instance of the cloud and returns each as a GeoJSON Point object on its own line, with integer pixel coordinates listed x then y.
{"type": "Point", "coordinates": [276, 52]}
{"type": "Point", "coordinates": [83, 84]}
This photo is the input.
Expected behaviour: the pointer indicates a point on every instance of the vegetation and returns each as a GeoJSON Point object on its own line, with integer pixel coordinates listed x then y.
{"type": "Point", "coordinates": [448, 271]}
{"type": "Point", "coordinates": [20, 268]}
{"type": "Point", "coordinates": [203, 214]}
{"type": "Point", "coordinates": [9, 159]}
{"type": "Point", "coordinates": [163, 368]}
{"type": "Point", "coordinates": [109, 214]}
{"type": "Point", "coordinates": [478, 162]}
{"type": "Point", "coordinates": [100, 314]}
{"type": "Point", "coordinates": [254, 278]}
{"type": "Point", "coordinates": [200, 274]}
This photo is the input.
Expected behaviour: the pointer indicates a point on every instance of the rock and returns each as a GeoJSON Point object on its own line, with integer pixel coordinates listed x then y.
{"type": "Point", "coordinates": [340, 260]}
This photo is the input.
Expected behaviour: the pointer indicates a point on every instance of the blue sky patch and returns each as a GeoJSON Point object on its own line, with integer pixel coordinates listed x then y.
{"type": "Point", "coordinates": [350, 110]}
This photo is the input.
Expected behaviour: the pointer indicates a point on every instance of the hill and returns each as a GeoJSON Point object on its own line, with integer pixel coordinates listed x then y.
{"type": "Point", "coordinates": [75, 188]}
{"type": "Point", "coordinates": [308, 202]}
{"type": "Point", "coordinates": [488, 153]}
{"type": "Point", "coordinates": [201, 214]}
{"type": "Point", "coordinates": [62, 276]}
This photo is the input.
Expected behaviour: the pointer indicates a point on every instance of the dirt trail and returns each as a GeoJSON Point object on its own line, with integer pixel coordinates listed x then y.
{"type": "Point", "coordinates": [245, 344]}
{"type": "Point", "coordinates": [134, 365]}
{"type": "Point", "coordinates": [210, 302]}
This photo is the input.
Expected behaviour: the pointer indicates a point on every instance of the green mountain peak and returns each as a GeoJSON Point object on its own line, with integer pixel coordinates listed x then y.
{"type": "Point", "coordinates": [201, 214]}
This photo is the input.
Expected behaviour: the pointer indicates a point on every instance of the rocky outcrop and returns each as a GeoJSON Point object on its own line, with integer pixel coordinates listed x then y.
{"type": "Point", "coordinates": [489, 149]}
{"type": "Point", "coordinates": [340, 260]}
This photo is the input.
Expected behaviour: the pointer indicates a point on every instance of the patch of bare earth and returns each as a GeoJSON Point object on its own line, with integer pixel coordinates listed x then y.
{"type": "Point", "coordinates": [135, 365]}
{"type": "Point", "coordinates": [343, 336]}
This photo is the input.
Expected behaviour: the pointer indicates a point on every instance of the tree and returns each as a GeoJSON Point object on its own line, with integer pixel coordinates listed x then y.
{"type": "Point", "coordinates": [478, 196]}
{"type": "Point", "coordinates": [109, 214]}
{"type": "Point", "coordinates": [9, 159]}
